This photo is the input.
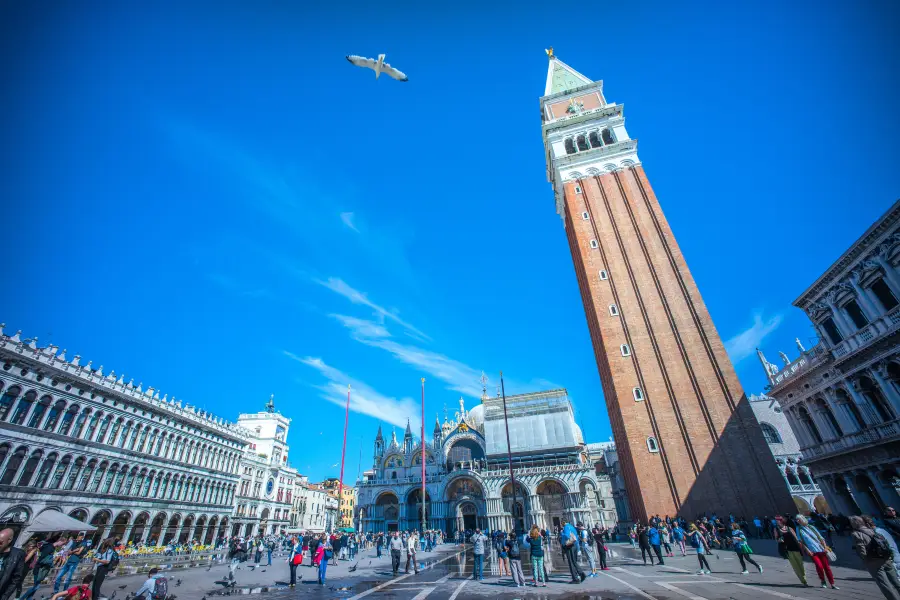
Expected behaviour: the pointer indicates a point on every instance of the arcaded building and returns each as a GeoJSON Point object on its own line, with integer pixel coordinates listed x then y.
{"type": "Point", "coordinates": [686, 438]}
{"type": "Point", "coordinates": [842, 395]}
{"type": "Point", "coordinates": [468, 482]}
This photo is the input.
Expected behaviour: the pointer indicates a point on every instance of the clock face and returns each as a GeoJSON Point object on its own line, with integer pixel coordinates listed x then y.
{"type": "Point", "coordinates": [270, 487]}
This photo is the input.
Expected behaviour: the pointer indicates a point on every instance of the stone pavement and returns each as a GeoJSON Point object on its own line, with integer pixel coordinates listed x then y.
{"type": "Point", "coordinates": [446, 574]}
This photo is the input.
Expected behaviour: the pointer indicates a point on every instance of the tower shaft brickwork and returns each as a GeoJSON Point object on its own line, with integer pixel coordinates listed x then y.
{"type": "Point", "coordinates": [685, 433]}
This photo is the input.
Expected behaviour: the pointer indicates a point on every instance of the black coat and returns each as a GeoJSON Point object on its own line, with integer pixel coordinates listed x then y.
{"type": "Point", "coordinates": [12, 574]}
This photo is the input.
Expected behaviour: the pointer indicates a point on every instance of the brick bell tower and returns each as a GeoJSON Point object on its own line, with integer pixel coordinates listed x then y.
{"type": "Point", "coordinates": [687, 439]}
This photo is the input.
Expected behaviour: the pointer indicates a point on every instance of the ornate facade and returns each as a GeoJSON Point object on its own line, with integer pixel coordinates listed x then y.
{"type": "Point", "coordinates": [842, 396]}
{"type": "Point", "coordinates": [265, 494]}
{"type": "Point", "coordinates": [686, 439]}
{"type": "Point", "coordinates": [103, 450]}
{"type": "Point", "coordinates": [786, 449]}
{"type": "Point", "coordinates": [467, 480]}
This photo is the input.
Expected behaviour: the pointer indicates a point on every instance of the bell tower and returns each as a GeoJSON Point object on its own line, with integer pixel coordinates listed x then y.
{"type": "Point", "coordinates": [685, 433]}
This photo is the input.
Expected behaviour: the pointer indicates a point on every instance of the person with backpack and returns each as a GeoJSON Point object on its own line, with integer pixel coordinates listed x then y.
{"type": "Point", "coordinates": [698, 542]}
{"type": "Point", "coordinates": [42, 567]}
{"type": "Point", "coordinates": [816, 548]}
{"type": "Point", "coordinates": [536, 543]}
{"type": "Point", "coordinates": [155, 586]}
{"type": "Point", "coordinates": [102, 561]}
{"type": "Point", "coordinates": [789, 547]}
{"type": "Point", "coordinates": [742, 548]}
{"type": "Point", "coordinates": [877, 556]}
{"type": "Point", "coordinates": [511, 546]}
{"type": "Point", "coordinates": [870, 522]}
{"type": "Point", "coordinates": [568, 539]}
{"type": "Point", "coordinates": [77, 592]}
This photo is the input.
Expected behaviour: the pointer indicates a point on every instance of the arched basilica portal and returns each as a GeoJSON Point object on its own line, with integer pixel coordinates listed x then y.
{"type": "Point", "coordinates": [467, 473]}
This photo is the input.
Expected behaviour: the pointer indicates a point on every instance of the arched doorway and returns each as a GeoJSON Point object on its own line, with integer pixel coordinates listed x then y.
{"type": "Point", "coordinates": [156, 530]}
{"type": "Point", "coordinates": [415, 508]}
{"type": "Point", "coordinates": [552, 495]}
{"type": "Point", "coordinates": [223, 527]}
{"type": "Point", "coordinates": [518, 510]}
{"type": "Point", "coordinates": [140, 525]}
{"type": "Point", "coordinates": [79, 514]}
{"type": "Point", "coordinates": [198, 530]}
{"type": "Point", "coordinates": [387, 507]}
{"type": "Point", "coordinates": [171, 529]}
{"type": "Point", "coordinates": [211, 531]}
{"type": "Point", "coordinates": [100, 521]}
{"type": "Point", "coordinates": [466, 516]}
{"type": "Point", "coordinates": [186, 530]}
{"type": "Point", "coordinates": [236, 530]}
{"type": "Point", "coordinates": [465, 500]}
{"type": "Point", "coordinates": [120, 524]}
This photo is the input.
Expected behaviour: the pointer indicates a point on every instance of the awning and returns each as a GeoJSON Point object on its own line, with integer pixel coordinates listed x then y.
{"type": "Point", "coordinates": [52, 520]}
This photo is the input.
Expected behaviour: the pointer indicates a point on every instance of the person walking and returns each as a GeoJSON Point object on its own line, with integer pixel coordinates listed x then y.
{"type": "Point", "coordinates": [814, 545]}
{"type": "Point", "coordinates": [600, 540]}
{"type": "Point", "coordinates": [314, 543]}
{"type": "Point", "coordinates": [568, 539]}
{"type": "Point", "coordinates": [257, 544]}
{"type": "Point", "coordinates": [12, 565]}
{"type": "Point", "coordinates": [295, 558]}
{"type": "Point", "coordinates": [269, 548]}
{"type": "Point", "coordinates": [666, 535]}
{"type": "Point", "coordinates": [379, 542]}
{"type": "Point", "coordinates": [328, 552]}
{"type": "Point", "coordinates": [789, 546]}
{"type": "Point", "coordinates": [678, 536]}
{"type": "Point", "coordinates": [77, 550]}
{"type": "Point", "coordinates": [870, 523]}
{"type": "Point", "coordinates": [515, 559]}
{"type": "Point", "coordinates": [585, 545]}
{"type": "Point", "coordinates": [742, 548]}
{"type": "Point", "coordinates": [478, 540]}
{"type": "Point", "coordinates": [643, 538]}
{"type": "Point", "coordinates": [412, 546]}
{"type": "Point", "coordinates": [503, 557]}
{"type": "Point", "coordinates": [655, 536]}
{"type": "Point", "coordinates": [892, 522]}
{"type": "Point", "coordinates": [105, 555]}
{"type": "Point", "coordinates": [875, 551]}
{"type": "Point", "coordinates": [42, 568]}
{"type": "Point", "coordinates": [698, 542]}
{"type": "Point", "coordinates": [396, 547]}
{"type": "Point", "coordinates": [536, 544]}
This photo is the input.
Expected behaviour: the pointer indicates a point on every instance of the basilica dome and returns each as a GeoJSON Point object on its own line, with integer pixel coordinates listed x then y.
{"type": "Point", "coordinates": [475, 417]}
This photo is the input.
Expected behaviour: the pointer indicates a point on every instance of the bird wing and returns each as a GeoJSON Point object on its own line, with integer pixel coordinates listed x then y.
{"type": "Point", "coordinates": [362, 61]}
{"type": "Point", "coordinates": [389, 70]}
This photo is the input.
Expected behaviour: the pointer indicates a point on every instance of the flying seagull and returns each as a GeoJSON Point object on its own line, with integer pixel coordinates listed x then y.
{"type": "Point", "coordinates": [379, 66]}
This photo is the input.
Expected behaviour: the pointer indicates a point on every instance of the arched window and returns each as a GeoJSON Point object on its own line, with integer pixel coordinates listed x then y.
{"type": "Point", "coordinates": [638, 394]}
{"type": "Point", "coordinates": [594, 139]}
{"type": "Point", "coordinates": [114, 431]}
{"type": "Point", "coordinates": [104, 427]}
{"type": "Point", "coordinates": [652, 445]}
{"type": "Point", "coordinates": [22, 407]}
{"type": "Point", "coordinates": [804, 477]}
{"type": "Point", "coordinates": [770, 433]}
{"type": "Point", "coordinates": [92, 425]}
{"type": "Point", "coordinates": [31, 466]}
{"type": "Point", "coordinates": [570, 146]}
{"type": "Point", "coordinates": [6, 401]}
{"type": "Point", "coordinates": [37, 415]}
{"type": "Point", "coordinates": [60, 472]}
{"type": "Point", "coordinates": [582, 143]}
{"type": "Point", "coordinates": [79, 422]}
{"type": "Point", "coordinates": [791, 477]}
{"type": "Point", "coordinates": [12, 466]}
{"type": "Point", "coordinates": [613, 310]}
{"type": "Point", "coordinates": [607, 137]}
{"type": "Point", "coordinates": [56, 410]}
{"type": "Point", "coordinates": [45, 471]}
{"type": "Point", "coordinates": [626, 351]}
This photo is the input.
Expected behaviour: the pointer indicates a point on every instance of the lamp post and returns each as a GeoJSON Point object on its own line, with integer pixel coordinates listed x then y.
{"type": "Point", "coordinates": [423, 457]}
{"type": "Point", "coordinates": [512, 475]}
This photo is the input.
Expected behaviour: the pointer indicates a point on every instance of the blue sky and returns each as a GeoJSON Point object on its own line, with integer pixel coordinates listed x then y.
{"type": "Point", "coordinates": [210, 199]}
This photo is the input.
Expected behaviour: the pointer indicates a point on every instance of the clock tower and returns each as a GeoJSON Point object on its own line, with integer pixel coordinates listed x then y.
{"type": "Point", "coordinates": [686, 437]}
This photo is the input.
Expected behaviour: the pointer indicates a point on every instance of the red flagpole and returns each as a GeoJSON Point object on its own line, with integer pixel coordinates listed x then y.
{"type": "Point", "coordinates": [343, 455]}
{"type": "Point", "coordinates": [423, 456]}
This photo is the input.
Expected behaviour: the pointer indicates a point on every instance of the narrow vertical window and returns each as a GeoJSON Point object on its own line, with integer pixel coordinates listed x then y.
{"type": "Point", "coordinates": [832, 331]}
{"type": "Point", "coordinates": [613, 310]}
{"type": "Point", "coordinates": [577, 189]}
{"type": "Point", "coordinates": [638, 394]}
{"type": "Point", "coordinates": [652, 446]}
{"type": "Point", "coordinates": [585, 216]}
{"type": "Point", "coordinates": [603, 276]}
{"type": "Point", "coordinates": [884, 294]}
{"type": "Point", "coordinates": [593, 243]}
{"type": "Point", "coordinates": [626, 351]}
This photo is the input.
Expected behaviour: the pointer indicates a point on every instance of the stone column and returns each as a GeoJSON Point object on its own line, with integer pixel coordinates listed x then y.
{"type": "Point", "coordinates": [861, 497]}
{"type": "Point", "coordinates": [887, 388]}
{"type": "Point", "coordinates": [868, 307]}
{"type": "Point", "coordinates": [890, 275]}
{"type": "Point", "coordinates": [844, 420]}
{"type": "Point", "coordinates": [846, 328]}
{"type": "Point", "coordinates": [867, 412]}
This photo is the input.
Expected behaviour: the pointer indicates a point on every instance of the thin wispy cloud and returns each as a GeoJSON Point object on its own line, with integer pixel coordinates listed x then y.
{"type": "Point", "coordinates": [363, 399]}
{"type": "Point", "coordinates": [347, 219]}
{"type": "Point", "coordinates": [746, 342]}
{"type": "Point", "coordinates": [339, 286]}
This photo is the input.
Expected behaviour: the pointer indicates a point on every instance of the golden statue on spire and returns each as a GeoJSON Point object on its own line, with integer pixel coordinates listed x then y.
{"type": "Point", "coordinates": [549, 52]}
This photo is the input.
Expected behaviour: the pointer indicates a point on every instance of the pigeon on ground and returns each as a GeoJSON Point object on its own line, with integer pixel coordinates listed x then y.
{"type": "Point", "coordinates": [122, 587]}
{"type": "Point", "coordinates": [113, 597]}
{"type": "Point", "coordinates": [177, 582]}
{"type": "Point", "coordinates": [379, 66]}
{"type": "Point", "coordinates": [353, 568]}
{"type": "Point", "coordinates": [263, 571]}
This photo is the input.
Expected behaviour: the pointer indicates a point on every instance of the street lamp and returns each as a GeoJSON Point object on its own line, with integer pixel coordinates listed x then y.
{"type": "Point", "coordinates": [512, 475]}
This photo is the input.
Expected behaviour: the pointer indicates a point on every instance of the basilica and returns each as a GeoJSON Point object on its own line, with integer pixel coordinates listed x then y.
{"type": "Point", "coordinates": [467, 475]}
